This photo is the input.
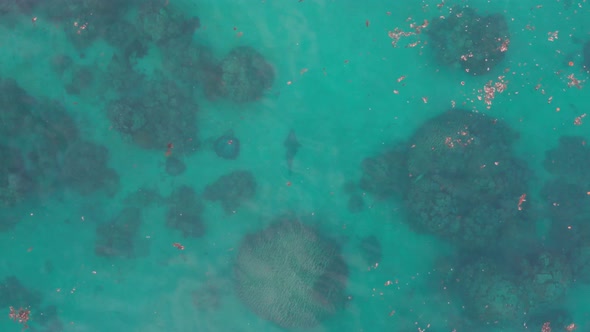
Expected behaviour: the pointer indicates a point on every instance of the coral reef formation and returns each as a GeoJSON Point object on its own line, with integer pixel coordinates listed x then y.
{"type": "Point", "coordinates": [290, 275]}
{"type": "Point", "coordinates": [15, 181]}
{"type": "Point", "coordinates": [355, 203]}
{"type": "Point", "coordinates": [490, 295]}
{"type": "Point", "coordinates": [85, 169]}
{"type": "Point", "coordinates": [586, 54]}
{"type": "Point", "coordinates": [127, 117]}
{"type": "Point", "coordinates": [193, 64]}
{"type": "Point", "coordinates": [457, 177]}
{"type": "Point", "coordinates": [356, 199]}
{"type": "Point", "coordinates": [15, 104]}
{"type": "Point", "coordinates": [227, 146]}
{"type": "Point", "coordinates": [568, 203]}
{"type": "Point", "coordinates": [495, 294]}
{"type": "Point", "coordinates": [568, 207]}
{"type": "Point", "coordinates": [14, 293]}
{"type": "Point", "coordinates": [163, 115]}
{"type": "Point", "coordinates": [158, 22]}
{"type": "Point", "coordinates": [547, 279]}
{"type": "Point", "coordinates": [40, 131]}
{"type": "Point", "coordinates": [477, 43]}
{"type": "Point", "coordinates": [42, 316]}
{"type": "Point", "coordinates": [54, 131]}
{"type": "Point", "coordinates": [231, 190]}
{"type": "Point", "coordinates": [371, 250]}
{"type": "Point", "coordinates": [117, 238]}
{"type": "Point", "coordinates": [465, 183]}
{"type": "Point", "coordinates": [184, 212]}
{"type": "Point", "coordinates": [385, 175]}
{"type": "Point", "coordinates": [174, 166]}
{"type": "Point", "coordinates": [245, 75]}
{"type": "Point", "coordinates": [84, 21]}
{"type": "Point", "coordinates": [208, 297]}
{"type": "Point", "coordinates": [143, 198]}
{"type": "Point", "coordinates": [11, 8]}
{"type": "Point", "coordinates": [567, 160]}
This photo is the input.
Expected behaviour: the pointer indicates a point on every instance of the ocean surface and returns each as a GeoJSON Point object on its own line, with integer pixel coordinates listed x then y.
{"type": "Point", "coordinates": [339, 85]}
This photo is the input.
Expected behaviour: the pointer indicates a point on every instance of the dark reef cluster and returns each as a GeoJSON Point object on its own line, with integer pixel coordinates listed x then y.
{"type": "Point", "coordinates": [567, 199]}
{"type": "Point", "coordinates": [456, 177]}
{"type": "Point", "coordinates": [232, 190]}
{"type": "Point", "coordinates": [85, 169]}
{"type": "Point", "coordinates": [496, 295]}
{"type": "Point", "coordinates": [184, 212]}
{"type": "Point", "coordinates": [116, 238]}
{"type": "Point", "coordinates": [463, 37]}
{"type": "Point", "coordinates": [463, 163]}
{"type": "Point", "coordinates": [46, 153]}
{"type": "Point", "coordinates": [245, 75]}
{"type": "Point", "coordinates": [161, 114]}
{"type": "Point", "coordinates": [13, 294]}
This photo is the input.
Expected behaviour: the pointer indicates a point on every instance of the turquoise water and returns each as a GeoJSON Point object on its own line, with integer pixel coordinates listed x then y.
{"type": "Point", "coordinates": [335, 75]}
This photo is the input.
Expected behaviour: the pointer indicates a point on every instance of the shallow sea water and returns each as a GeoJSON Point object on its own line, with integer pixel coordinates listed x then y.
{"type": "Point", "coordinates": [336, 73]}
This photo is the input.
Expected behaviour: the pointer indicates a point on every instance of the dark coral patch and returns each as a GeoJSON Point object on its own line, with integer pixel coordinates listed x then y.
{"type": "Point", "coordinates": [232, 190]}
{"type": "Point", "coordinates": [184, 212]}
{"type": "Point", "coordinates": [476, 43]}
{"type": "Point", "coordinates": [245, 75]}
{"type": "Point", "coordinates": [174, 166]}
{"type": "Point", "coordinates": [227, 146]}
{"type": "Point", "coordinates": [117, 238]}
